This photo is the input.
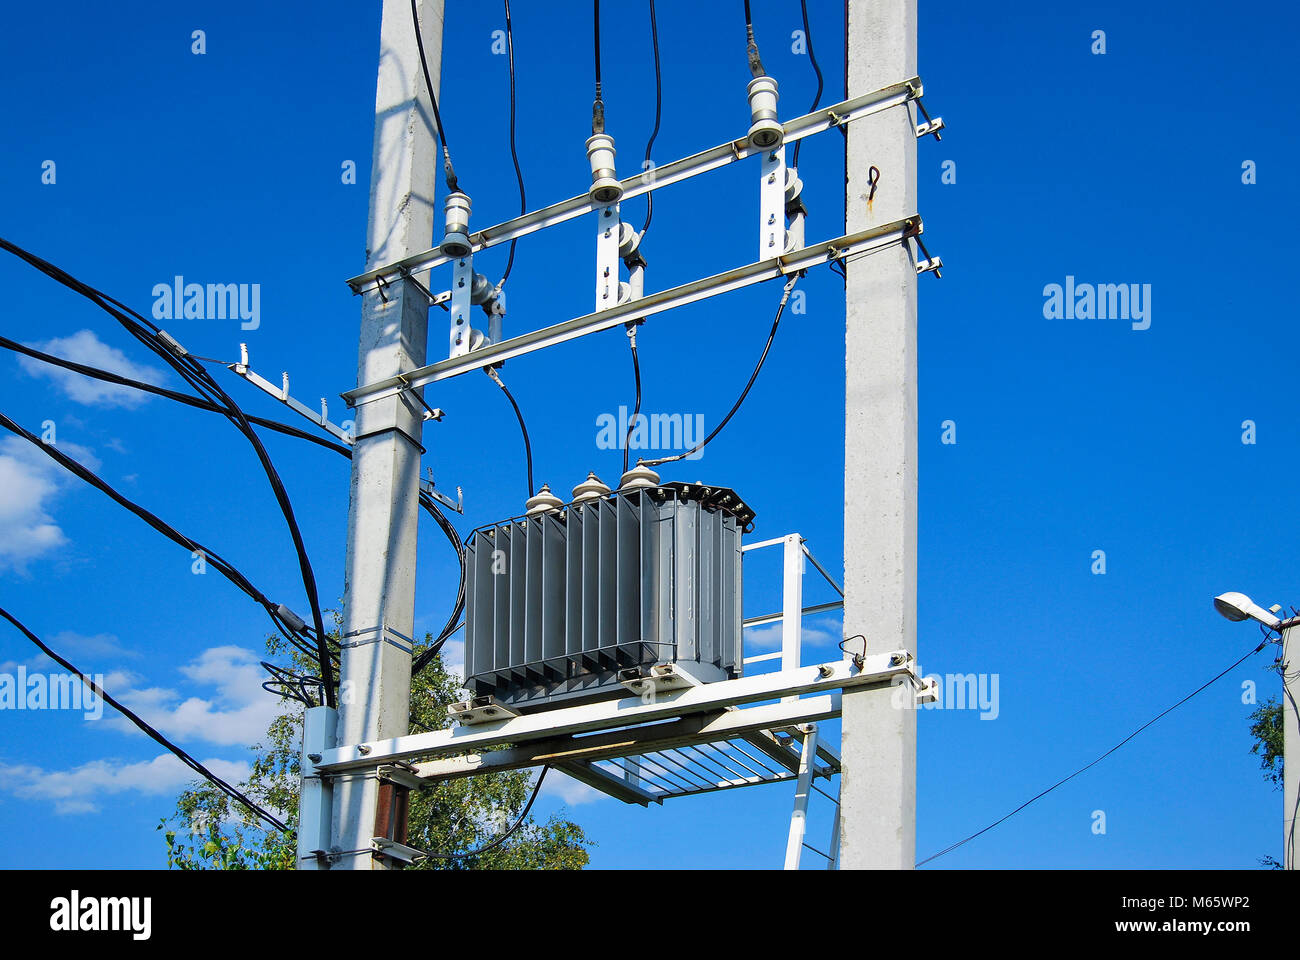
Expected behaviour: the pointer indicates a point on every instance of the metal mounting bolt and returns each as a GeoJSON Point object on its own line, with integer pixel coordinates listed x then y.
{"type": "Point", "coordinates": [825, 670]}
{"type": "Point", "coordinates": [363, 749]}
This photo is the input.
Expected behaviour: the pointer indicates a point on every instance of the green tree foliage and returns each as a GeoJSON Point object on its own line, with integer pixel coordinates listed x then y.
{"type": "Point", "coordinates": [209, 831]}
{"type": "Point", "coordinates": [1266, 728]}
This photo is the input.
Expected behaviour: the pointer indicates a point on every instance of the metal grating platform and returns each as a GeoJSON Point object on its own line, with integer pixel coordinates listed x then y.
{"type": "Point", "coordinates": [692, 769]}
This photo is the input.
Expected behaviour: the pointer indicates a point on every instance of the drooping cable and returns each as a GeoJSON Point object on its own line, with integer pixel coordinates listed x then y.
{"type": "Point", "coordinates": [109, 377]}
{"type": "Point", "coordinates": [453, 622]}
{"type": "Point", "coordinates": [751, 45]}
{"type": "Point", "coordinates": [1219, 676]}
{"type": "Point", "coordinates": [225, 568]}
{"type": "Point", "coordinates": [514, 153]}
{"type": "Point", "coordinates": [812, 58]}
{"type": "Point", "coordinates": [537, 788]}
{"type": "Point", "coordinates": [771, 336]}
{"type": "Point", "coordinates": [523, 427]}
{"type": "Point", "coordinates": [197, 376]}
{"type": "Point", "coordinates": [659, 101]}
{"type": "Point", "coordinates": [233, 792]}
{"type": "Point", "coordinates": [449, 172]}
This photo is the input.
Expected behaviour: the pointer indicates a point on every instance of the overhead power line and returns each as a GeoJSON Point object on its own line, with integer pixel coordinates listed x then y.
{"type": "Point", "coordinates": [233, 792]}
{"type": "Point", "coordinates": [109, 377]}
{"type": "Point", "coordinates": [1088, 766]}
{"type": "Point", "coordinates": [224, 567]}
{"type": "Point", "coordinates": [197, 376]}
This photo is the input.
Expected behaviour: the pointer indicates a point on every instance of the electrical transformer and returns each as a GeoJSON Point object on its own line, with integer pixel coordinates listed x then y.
{"type": "Point", "coordinates": [559, 602]}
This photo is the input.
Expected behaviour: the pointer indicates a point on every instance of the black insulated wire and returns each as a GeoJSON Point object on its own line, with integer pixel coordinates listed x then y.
{"type": "Point", "coordinates": [771, 336]}
{"type": "Point", "coordinates": [636, 410]}
{"type": "Point", "coordinates": [493, 844]}
{"type": "Point", "coordinates": [812, 58]}
{"type": "Point", "coordinates": [211, 557]}
{"type": "Point", "coordinates": [448, 171]}
{"type": "Point", "coordinates": [523, 427]}
{"type": "Point", "coordinates": [659, 102]}
{"type": "Point", "coordinates": [597, 105]}
{"type": "Point", "coordinates": [110, 377]}
{"type": "Point", "coordinates": [197, 376]}
{"type": "Point", "coordinates": [1211, 681]}
{"type": "Point", "coordinates": [226, 788]}
{"type": "Point", "coordinates": [514, 153]}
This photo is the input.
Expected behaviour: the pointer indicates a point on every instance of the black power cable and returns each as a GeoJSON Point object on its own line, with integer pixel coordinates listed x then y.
{"type": "Point", "coordinates": [597, 105]}
{"type": "Point", "coordinates": [448, 171]}
{"type": "Point", "coordinates": [426, 501]}
{"type": "Point", "coordinates": [197, 376]}
{"type": "Point", "coordinates": [514, 154]}
{"type": "Point", "coordinates": [659, 100]}
{"type": "Point", "coordinates": [523, 427]}
{"type": "Point", "coordinates": [225, 568]}
{"type": "Point", "coordinates": [537, 788]}
{"type": "Point", "coordinates": [226, 788]}
{"type": "Point", "coordinates": [812, 58]}
{"type": "Point", "coordinates": [771, 336]}
{"type": "Point", "coordinates": [636, 410]}
{"type": "Point", "coordinates": [1219, 676]}
{"type": "Point", "coordinates": [453, 622]}
{"type": "Point", "coordinates": [110, 377]}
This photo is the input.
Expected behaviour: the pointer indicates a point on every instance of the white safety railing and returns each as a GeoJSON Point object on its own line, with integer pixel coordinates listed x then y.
{"type": "Point", "coordinates": [795, 551]}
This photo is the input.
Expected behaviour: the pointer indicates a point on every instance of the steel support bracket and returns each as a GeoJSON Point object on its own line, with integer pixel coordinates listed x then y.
{"type": "Point", "coordinates": [397, 851]}
{"type": "Point", "coordinates": [281, 393]}
{"type": "Point", "coordinates": [480, 710]}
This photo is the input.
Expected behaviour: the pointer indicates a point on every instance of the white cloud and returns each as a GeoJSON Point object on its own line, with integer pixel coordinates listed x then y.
{"type": "Point", "coordinates": [236, 715]}
{"type": "Point", "coordinates": [27, 529]}
{"type": "Point", "coordinates": [570, 791]}
{"type": "Point", "coordinates": [86, 348]}
{"type": "Point", "coordinates": [30, 480]}
{"type": "Point", "coordinates": [768, 637]}
{"type": "Point", "coordinates": [78, 789]}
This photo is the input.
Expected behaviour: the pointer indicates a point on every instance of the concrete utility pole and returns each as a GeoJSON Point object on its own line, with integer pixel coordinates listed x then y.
{"type": "Point", "coordinates": [379, 596]}
{"type": "Point", "coordinates": [878, 786]}
{"type": "Point", "coordinates": [1290, 741]}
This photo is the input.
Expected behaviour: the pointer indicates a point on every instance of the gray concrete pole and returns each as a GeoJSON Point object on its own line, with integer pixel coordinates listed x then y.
{"type": "Point", "coordinates": [878, 786]}
{"type": "Point", "coordinates": [379, 594]}
{"type": "Point", "coordinates": [1290, 743]}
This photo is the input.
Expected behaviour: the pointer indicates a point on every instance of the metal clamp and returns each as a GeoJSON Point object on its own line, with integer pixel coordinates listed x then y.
{"type": "Point", "coordinates": [379, 634]}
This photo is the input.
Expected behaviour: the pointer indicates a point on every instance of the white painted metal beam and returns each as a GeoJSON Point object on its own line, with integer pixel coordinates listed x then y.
{"type": "Point", "coordinates": [861, 243]}
{"type": "Point", "coordinates": [877, 670]}
{"type": "Point", "coordinates": [827, 118]}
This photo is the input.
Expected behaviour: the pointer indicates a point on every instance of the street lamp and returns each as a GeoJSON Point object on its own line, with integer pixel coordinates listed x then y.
{"type": "Point", "coordinates": [1238, 607]}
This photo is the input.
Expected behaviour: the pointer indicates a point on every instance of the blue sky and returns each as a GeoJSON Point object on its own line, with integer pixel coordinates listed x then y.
{"type": "Point", "coordinates": [1072, 435]}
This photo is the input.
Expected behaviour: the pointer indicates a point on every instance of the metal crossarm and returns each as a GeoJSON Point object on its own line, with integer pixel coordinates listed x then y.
{"type": "Point", "coordinates": [862, 243]}
{"type": "Point", "coordinates": [827, 118]}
